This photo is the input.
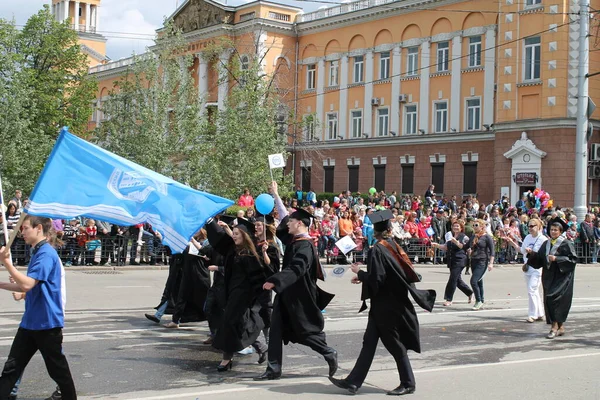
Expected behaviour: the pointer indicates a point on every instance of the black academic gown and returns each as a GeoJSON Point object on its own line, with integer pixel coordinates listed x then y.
{"type": "Point", "coordinates": [244, 276]}
{"type": "Point", "coordinates": [171, 291]}
{"type": "Point", "coordinates": [265, 298]}
{"type": "Point", "coordinates": [558, 278]}
{"type": "Point", "coordinates": [385, 284]}
{"type": "Point", "coordinates": [296, 288]}
{"type": "Point", "coordinates": [193, 289]}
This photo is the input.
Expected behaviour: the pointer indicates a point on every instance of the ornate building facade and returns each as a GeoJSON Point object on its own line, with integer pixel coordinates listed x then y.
{"type": "Point", "coordinates": [476, 97]}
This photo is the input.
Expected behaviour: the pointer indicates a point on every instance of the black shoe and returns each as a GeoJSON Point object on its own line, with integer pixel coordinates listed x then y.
{"type": "Point", "coordinates": [152, 318]}
{"type": "Point", "coordinates": [401, 390]}
{"type": "Point", "coordinates": [344, 384]}
{"type": "Point", "coordinates": [57, 395]}
{"type": "Point", "coordinates": [263, 357]}
{"type": "Point", "coordinates": [226, 367]}
{"type": "Point", "coordinates": [332, 360]}
{"type": "Point", "coordinates": [12, 397]}
{"type": "Point", "coordinates": [268, 375]}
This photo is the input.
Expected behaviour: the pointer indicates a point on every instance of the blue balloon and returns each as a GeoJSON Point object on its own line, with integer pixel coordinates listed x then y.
{"type": "Point", "coordinates": [264, 204]}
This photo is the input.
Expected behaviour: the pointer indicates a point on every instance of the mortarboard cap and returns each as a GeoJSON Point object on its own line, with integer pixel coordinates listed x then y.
{"type": "Point", "coordinates": [302, 215]}
{"type": "Point", "coordinates": [380, 220]}
{"type": "Point", "coordinates": [560, 221]}
{"type": "Point", "coordinates": [246, 226]}
{"type": "Point", "coordinates": [267, 219]}
{"type": "Point", "coordinates": [228, 219]}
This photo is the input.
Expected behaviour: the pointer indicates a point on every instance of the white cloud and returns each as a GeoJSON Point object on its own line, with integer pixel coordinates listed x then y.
{"type": "Point", "coordinates": [129, 25]}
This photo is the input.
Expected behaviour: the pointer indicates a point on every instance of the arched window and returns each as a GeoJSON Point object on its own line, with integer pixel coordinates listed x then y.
{"type": "Point", "coordinates": [244, 63]}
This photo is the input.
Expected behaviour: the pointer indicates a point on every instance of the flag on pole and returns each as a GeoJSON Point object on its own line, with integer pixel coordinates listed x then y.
{"type": "Point", "coordinates": [82, 179]}
{"type": "Point", "coordinates": [276, 161]}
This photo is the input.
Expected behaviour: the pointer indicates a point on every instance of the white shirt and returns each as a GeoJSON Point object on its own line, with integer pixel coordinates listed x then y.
{"type": "Point", "coordinates": [533, 242]}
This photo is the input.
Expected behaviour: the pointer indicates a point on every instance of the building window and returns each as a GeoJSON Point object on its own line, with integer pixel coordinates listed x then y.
{"type": "Point", "coordinates": [311, 76]}
{"type": "Point", "coordinates": [469, 178]}
{"type": "Point", "coordinates": [309, 128]}
{"type": "Point", "coordinates": [532, 58]}
{"type": "Point", "coordinates": [437, 177]}
{"type": "Point", "coordinates": [306, 179]}
{"type": "Point", "coordinates": [333, 73]}
{"type": "Point", "coordinates": [410, 119]}
{"type": "Point", "coordinates": [408, 178]}
{"type": "Point", "coordinates": [383, 119]}
{"type": "Point", "coordinates": [474, 51]}
{"type": "Point", "coordinates": [328, 187]}
{"type": "Point", "coordinates": [244, 63]}
{"type": "Point", "coordinates": [532, 3]}
{"type": "Point", "coordinates": [379, 177]}
{"type": "Point", "coordinates": [358, 69]}
{"type": "Point", "coordinates": [440, 123]}
{"type": "Point", "coordinates": [247, 16]}
{"type": "Point", "coordinates": [473, 114]}
{"type": "Point", "coordinates": [279, 16]}
{"type": "Point", "coordinates": [384, 65]}
{"type": "Point", "coordinates": [412, 61]}
{"type": "Point", "coordinates": [332, 126]}
{"type": "Point", "coordinates": [356, 123]}
{"type": "Point", "coordinates": [353, 178]}
{"type": "Point", "coordinates": [443, 56]}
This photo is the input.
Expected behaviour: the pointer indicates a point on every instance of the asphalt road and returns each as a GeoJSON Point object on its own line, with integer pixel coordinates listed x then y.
{"type": "Point", "coordinates": [115, 353]}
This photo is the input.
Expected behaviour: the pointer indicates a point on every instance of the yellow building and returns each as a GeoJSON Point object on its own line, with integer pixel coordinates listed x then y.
{"type": "Point", "coordinates": [85, 19]}
{"type": "Point", "coordinates": [473, 96]}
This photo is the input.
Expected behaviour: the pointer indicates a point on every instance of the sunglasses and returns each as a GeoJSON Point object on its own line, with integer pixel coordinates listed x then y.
{"type": "Point", "coordinates": [532, 226]}
{"type": "Point", "coordinates": [475, 225]}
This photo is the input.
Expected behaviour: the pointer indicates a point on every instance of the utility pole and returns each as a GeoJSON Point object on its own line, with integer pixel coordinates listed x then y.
{"type": "Point", "coordinates": [581, 156]}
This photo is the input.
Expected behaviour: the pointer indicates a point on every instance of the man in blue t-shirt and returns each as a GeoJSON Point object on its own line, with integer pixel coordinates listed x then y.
{"type": "Point", "coordinates": [43, 319]}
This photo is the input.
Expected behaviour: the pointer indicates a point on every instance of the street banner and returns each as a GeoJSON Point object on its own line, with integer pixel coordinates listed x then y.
{"type": "Point", "coordinates": [82, 179]}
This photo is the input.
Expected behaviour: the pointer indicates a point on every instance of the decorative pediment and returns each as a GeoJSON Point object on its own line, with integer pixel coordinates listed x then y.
{"type": "Point", "coordinates": [198, 14]}
{"type": "Point", "coordinates": [524, 145]}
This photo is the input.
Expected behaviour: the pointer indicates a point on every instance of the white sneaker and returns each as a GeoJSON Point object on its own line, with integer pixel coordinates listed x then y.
{"type": "Point", "coordinates": [478, 305]}
{"type": "Point", "coordinates": [247, 350]}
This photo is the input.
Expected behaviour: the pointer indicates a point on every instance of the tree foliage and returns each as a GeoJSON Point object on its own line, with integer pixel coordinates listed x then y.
{"type": "Point", "coordinates": [44, 84]}
{"type": "Point", "coordinates": [152, 115]}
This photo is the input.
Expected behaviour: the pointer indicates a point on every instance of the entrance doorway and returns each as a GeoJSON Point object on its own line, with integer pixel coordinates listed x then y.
{"type": "Point", "coordinates": [525, 189]}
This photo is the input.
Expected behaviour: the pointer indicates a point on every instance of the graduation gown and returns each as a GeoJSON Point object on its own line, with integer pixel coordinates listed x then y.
{"type": "Point", "coordinates": [193, 289]}
{"type": "Point", "coordinates": [244, 276]}
{"type": "Point", "coordinates": [265, 298]}
{"type": "Point", "coordinates": [558, 278]}
{"type": "Point", "coordinates": [385, 284]}
{"type": "Point", "coordinates": [296, 288]}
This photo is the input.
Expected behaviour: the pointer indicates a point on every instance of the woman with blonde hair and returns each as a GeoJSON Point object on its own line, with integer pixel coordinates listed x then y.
{"type": "Point", "coordinates": [482, 258]}
{"type": "Point", "coordinates": [456, 248]}
{"type": "Point", "coordinates": [533, 277]}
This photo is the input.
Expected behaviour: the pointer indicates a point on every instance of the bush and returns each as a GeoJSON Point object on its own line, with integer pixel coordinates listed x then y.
{"type": "Point", "coordinates": [233, 210]}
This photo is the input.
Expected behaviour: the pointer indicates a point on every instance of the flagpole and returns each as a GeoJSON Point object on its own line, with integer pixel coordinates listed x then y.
{"type": "Point", "coordinates": [4, 222]}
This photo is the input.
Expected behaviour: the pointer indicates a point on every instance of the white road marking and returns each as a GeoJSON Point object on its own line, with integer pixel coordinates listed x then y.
{"type": "Point", "coordinates": [196, 394]}
{"type": "Point", "coordinates": [126, 287]}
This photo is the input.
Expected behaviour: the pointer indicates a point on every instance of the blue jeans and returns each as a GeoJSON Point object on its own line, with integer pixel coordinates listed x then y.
{"type": "Point", "coordinates": [478, 268]}
{"type": "Point", "coordinates": [160, 311]}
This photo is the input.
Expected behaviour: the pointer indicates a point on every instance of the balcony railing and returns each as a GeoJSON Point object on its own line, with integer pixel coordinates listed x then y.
{"type": "Point", "coordinates": [112, 65]}
{"type": "Point", "coordinates": [342, 9]}
{"type": "Point", "coordinates": [82, 28]}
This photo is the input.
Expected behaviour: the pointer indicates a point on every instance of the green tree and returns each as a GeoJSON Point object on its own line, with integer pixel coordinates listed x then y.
{"type": "Point", "coordinates": [252, 125]}
{"type": "Point", "coordinates": [44, 84]}
{"type": "Point", "coordinates": [152, 116]}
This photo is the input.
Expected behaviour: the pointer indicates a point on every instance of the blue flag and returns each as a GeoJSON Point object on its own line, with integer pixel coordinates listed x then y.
{"type": "Point", "coordinates": [82, 179]}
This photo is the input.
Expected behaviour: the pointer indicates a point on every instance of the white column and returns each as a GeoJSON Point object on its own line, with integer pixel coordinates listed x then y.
{"type": "Point", "coordinates": [66, 4]}
{"type": "Point", "coordinates": [455, 99]}
{"type": "Point", "coordinates": [223, 79]}
{"type": "Point", "coordinates": [368, 109]}
{"type": "Point", "coordinates": [76, 16]}
{"type": "Point", "coordinates": [395, 111]}
{"type": "Point", "coordinates": [343, 111]}
{"type": "Point", "coordinates": [88, 19]}
{"type": "Point", "coordinates": [54, 10]}
{"type": "Point", "coordinates": [97, 18]}
{"type": "Point", "coordinates": [202, 82]}
{"type": "Point", "coordinates": [320, 91]}
{"type": "Point", "coordinates": [424, 89]}
{"type": "Point", "coordinates": [489, 57]}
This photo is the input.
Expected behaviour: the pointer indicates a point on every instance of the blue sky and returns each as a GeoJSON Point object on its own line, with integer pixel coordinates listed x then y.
{"type": "Point", "coordinates": [128, 24]}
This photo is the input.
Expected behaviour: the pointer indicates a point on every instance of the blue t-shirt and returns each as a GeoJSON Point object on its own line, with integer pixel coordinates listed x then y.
{"type": "Point", "coordinates": [44, 304]}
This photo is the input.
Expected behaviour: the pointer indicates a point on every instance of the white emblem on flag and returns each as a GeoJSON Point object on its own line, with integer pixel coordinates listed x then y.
{"type": "Point", "coordinates": [133, 186]}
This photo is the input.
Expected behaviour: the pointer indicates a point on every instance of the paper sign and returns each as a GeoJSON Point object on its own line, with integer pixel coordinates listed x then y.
{"type": "Point", "coordinates": [276, 161]}
{"type": "Point", "coordinates": [345, 244]}
{"type": "Point", "coordinates": [448, 236]}
{"type": "Point", "coordinates": [338, 272]}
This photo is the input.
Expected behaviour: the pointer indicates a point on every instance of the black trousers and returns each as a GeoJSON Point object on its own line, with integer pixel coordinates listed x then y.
{"type": "Point", "coordinates": [25, 345]}
{"type": "Point", "coordinates": [391, 340]}
{"type": "Point", "coordinates": [454, 281]}
{"type": "Point", "coordinates": [317, 342]}
{"type": "Point", "coordinates": [107, 249]}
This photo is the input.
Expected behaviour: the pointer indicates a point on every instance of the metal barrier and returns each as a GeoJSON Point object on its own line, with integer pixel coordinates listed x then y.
{"type": "Point", "coordinates": [117, 250]}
